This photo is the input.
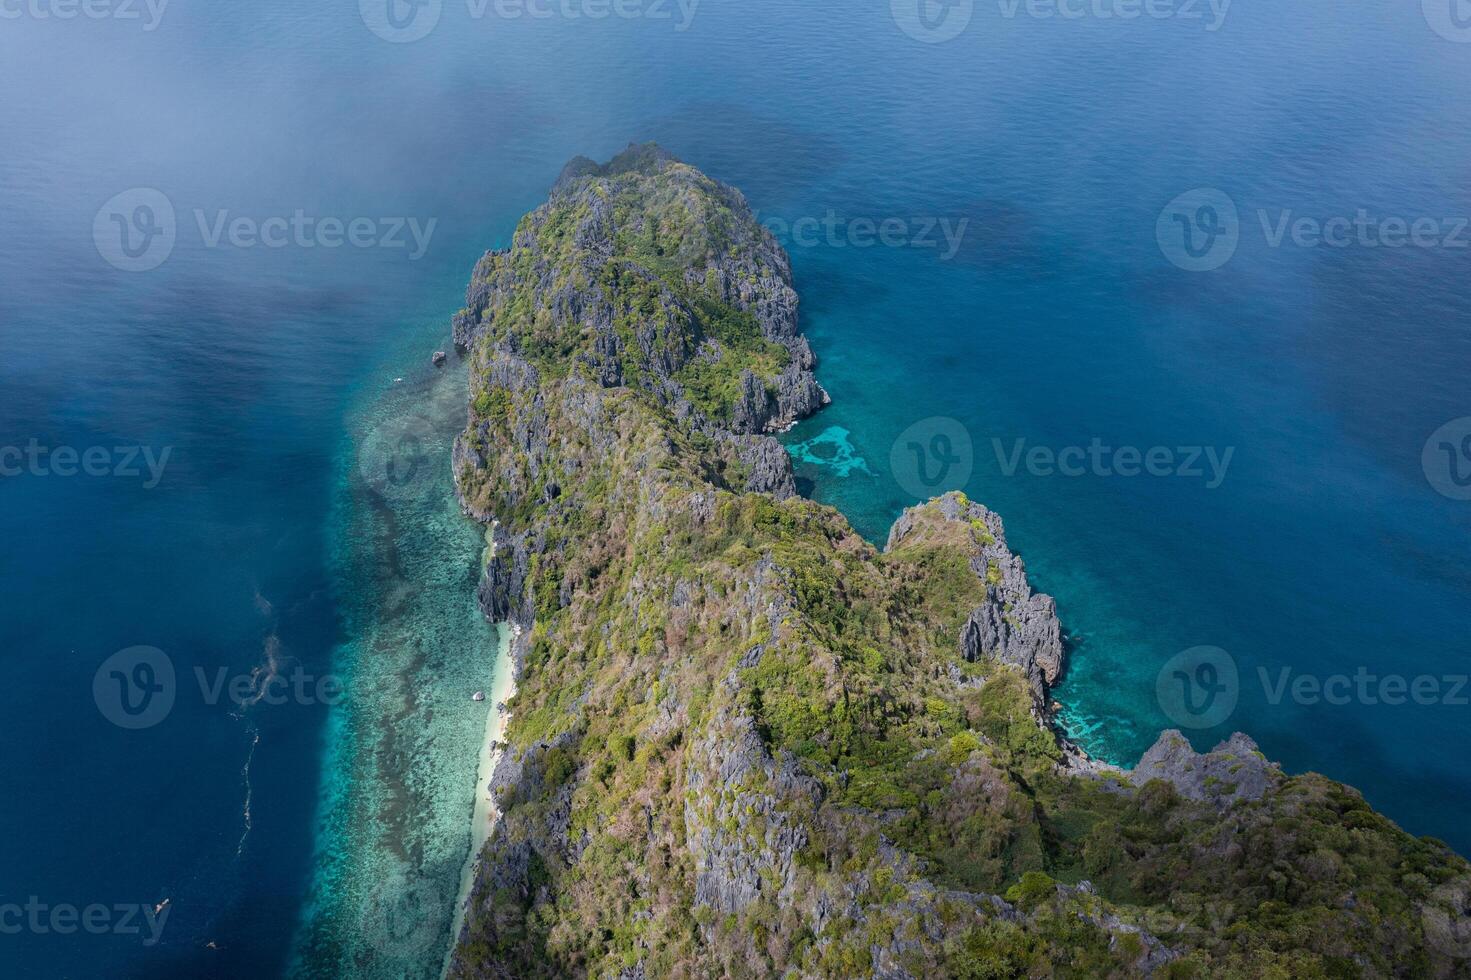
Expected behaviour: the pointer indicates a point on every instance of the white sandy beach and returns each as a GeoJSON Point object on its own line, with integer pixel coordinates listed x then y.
{"type": "Point", "coordinates": [503, 688]}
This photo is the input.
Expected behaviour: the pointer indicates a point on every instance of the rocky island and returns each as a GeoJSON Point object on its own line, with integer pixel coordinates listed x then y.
{"type": "Point", "coordinates": [745, 742]}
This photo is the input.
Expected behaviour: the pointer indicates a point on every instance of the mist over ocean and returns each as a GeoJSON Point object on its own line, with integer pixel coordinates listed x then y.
{"type": "Point", "coordinates": [1183, 298]}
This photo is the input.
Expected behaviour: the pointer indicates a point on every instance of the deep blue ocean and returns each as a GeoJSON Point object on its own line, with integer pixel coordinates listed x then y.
{"type": "Point", "coordinates": [1082, 239]}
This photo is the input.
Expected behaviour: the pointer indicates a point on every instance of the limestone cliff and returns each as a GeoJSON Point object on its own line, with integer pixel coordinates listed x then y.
{"type": "Point", "coordinates": [747, 743]}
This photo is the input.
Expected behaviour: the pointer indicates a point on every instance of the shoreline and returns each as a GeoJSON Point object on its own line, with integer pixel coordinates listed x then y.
{"type": "Point", "coordinates": [412, 671]}
{"type": "Point", "coordinates": [492, 747]}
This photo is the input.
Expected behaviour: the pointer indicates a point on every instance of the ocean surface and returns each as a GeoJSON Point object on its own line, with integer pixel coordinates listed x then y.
{"type": "Point", "coordinates": [1036, 254]}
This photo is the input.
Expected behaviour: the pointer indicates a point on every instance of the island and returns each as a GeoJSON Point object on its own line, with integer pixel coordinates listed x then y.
{"type": "Point", "coordinates": [745, 742]}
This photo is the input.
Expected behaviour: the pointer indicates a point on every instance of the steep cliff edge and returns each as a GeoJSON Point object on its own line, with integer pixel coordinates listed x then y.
{"type": "Point", "coordinates": [745, 742]}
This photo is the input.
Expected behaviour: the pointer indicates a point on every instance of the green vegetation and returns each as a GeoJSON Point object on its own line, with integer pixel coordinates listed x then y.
{"type": "Point", "coordinates": [748, 743]}
{"type": "Point", "coordinates": [666, 310]}
{"type": "Point", "coordinates": [493, 405]}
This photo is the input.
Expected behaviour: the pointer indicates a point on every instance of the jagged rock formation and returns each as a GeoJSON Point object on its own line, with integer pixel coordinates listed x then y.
{"type": "Point", "coordinates": [661, 285]}
{"type": "Point", "coordinates": [1232, 772]}
{"type": "Point", "coordinates": [746, 743]}
{"type": "Point", "coordinates": [1014, 625]}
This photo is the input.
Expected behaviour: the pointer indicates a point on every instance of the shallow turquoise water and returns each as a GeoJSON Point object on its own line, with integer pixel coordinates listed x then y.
{"type": "Point", "coordinates": [1055, 318]}
{"type": "Point", "coordinates": [401, 753]}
